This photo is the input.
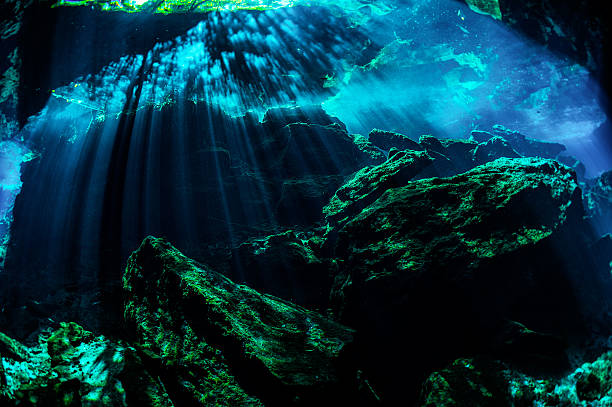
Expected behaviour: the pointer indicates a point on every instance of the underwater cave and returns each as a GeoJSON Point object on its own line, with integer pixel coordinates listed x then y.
{"type": "Point", "coordinates": [305, 202]}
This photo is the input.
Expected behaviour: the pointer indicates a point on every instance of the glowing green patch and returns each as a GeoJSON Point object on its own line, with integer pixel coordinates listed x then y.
{"type": "Point", "coordinates": [490, 7]}
{"type": "Point", "coordinates": [177, 6]}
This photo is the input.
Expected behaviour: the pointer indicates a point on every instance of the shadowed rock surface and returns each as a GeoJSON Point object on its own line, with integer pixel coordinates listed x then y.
{"type": "Point", "coordinates": [223, 343]}
{"type": "Point", "coordinates": [456, 257]}
{"type": "Point", "coordinates": [482, 382]}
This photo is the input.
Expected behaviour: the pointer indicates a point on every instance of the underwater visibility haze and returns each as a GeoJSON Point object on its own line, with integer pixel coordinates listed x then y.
{"type": "Point", "coordinates": [293, 202]}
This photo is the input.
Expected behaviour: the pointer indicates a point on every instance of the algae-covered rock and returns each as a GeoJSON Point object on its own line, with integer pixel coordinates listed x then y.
{"type": "Point", "coordinates": [522, 144]}
{"type": "Point", "coordinates": [370, 183]}
{"type": "Point", "coordinates": [386, 140]}
{"type": "Point", "coordinates": [482, 382]}
{"type": "Point", "coordinates": [492, 149]}
{"type": "Point", "coordinates": [487, 212]}
{"type": "Point", "coordinates": [12, 348]}
{"type": "Point", "coordinates": [479, 382]}
{"type": "Point", "coordinates": [437, 266]}
{"type": "Point", "coordinates": [74, 367]}
{"type": "Point", "coordinates": [226, 344]}
{"type": "Point", "coordinates": [466, 383]}
{"type": "Point", "coordinates": [598, 201]}
{"type": "Point", "coordinates": [374, 155]}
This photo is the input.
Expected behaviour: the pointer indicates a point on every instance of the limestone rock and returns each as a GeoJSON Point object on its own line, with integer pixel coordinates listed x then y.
{"type": "Point", "coordinates": [223, 343]}
{"type": "Point", "coordinates": [482, 382]}
{"type": "Point", "coordinates": [494, 148]}
{"type": "Point", "coordinates": [455, 257]}
{"type": "Point", "coordinates": [388, 139]}
{"type": "Point", "coordinates": [370, 183]}
{"type": "Point", "coordinates": [74, 367]}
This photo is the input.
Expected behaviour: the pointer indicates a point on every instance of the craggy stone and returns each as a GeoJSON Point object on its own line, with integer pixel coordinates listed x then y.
{"type": "Point", "coordinates": [386, 140]}
{"type": "Point", "coordinates": [492, 149]}
{"type": "Point", "coordinates": [574, 164]}
{"type": "Point", "coordinates": [370, 183]}
{"type": "Point", "coordinates": [525, 146]}
{"type": "Point", "coordinates": [11, 348]}
{"type": "Point", "coordinates": [74, 367]}
{"type": "Point", "coordinates": [598, 201]}
{"type": "Point", "coordinates": [481, 382]}
{"type": "Point", "coordinates": [223, 343]}
{"type": "Point", "coordinates": [375, 155]}
{"type": "Point", "coordinates": [461, 153]}
{"type": "Point", "coordinates": [456, 257]}
{"type": "Point", "coordinates": [466, 383]}
{"type": "Point", "coordinates": [478, 382]}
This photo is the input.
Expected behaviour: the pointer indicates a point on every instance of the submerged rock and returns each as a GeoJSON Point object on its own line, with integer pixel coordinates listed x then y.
{"type": "Point", "coordinates": [598, 201]}
{"type": "Point", "coordinates": [494, 148]}
{"type": "Point", "coordinates": [370, 183]}
{"type": "Point", "coordinates": [456, 257]}
{"type": "Point", "coordinates": [285, 265]}
{"type": "Point", "coordinates": [466, 383]}
{"type": "Point", "coordinates": [481, 382]}
{"type": "Point", "coordinates": [386, 140]}
{"type": "Point", "coordinates": [74, 367]}
{"type": "Point", "coordinates": [524, 145]}
{"type": "Point", "coordinates": [225, 344]}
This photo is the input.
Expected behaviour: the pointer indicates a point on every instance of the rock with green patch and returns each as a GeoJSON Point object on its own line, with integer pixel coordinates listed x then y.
{"type": "Point", "coordinates": [483, 382]}
{"type": "Point", "coordinates": [466, 383]}
{"type": "Point", "coordinates": [226, 344]}
{"type": "Point", "coordinates": [525, 146]}
{"type": "Point", "coordinates": [370, 183]}
{"type": "Point", "coordinates": [386, 140]}
{"type": "Point", "coordinates": [433, 268]}
{"type": "Point", "coordinates": [494, 148]}
{"type": "Point", "coordinates": [74, 367]}
{"type": "Point", "coordinates": [373, 154]}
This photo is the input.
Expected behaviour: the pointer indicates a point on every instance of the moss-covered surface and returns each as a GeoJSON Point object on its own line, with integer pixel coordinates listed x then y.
{"type": "Point", "coordinates": [175, 6]}
{"type": "Point", "coordinates": [227, 344]}
{"type": "Point", "coordinates": [490, 7]}
{"type": "Point", "coordinates": [453, 258]}
{"type": "Point", "coordinates": [74, 367]}
{"type": "Point", "coordinates": [485, 213]}
{"type": "Point", "coordinates": [481, 382]}
{"type": "Point", "coordinates": [370, 183]}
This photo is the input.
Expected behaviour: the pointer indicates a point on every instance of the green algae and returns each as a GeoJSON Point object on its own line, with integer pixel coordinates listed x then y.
{"type": "Point", "coordinates": [176, 6]}
{"type": "Point", "coordinates": [208, 330]}
{"type": "Point", "coordinates": [73, 367]}
{"type": "Point", "coordinates": [490, 7]}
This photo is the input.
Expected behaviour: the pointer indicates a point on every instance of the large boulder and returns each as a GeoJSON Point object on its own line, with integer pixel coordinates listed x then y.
{"type": "Point", "coordinates": [492, 149]}
{"type": "Point", "coordinates": [456, 257]}
{"type": "Point", "coordinates": [386, 140]}
{"type": "Point", "coordinates": [226, 344]}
